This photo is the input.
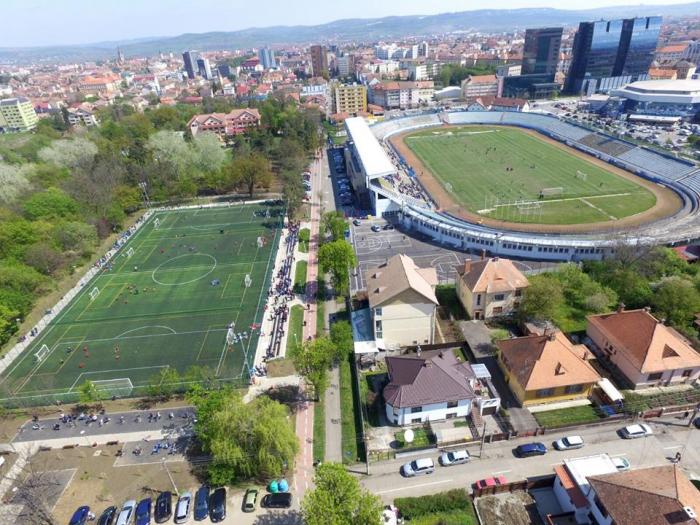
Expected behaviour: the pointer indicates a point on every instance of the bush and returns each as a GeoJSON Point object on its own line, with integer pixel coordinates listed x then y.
{"type": "Point", "coordinates": [455, 499]}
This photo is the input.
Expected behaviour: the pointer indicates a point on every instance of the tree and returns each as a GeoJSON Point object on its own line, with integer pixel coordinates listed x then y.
{"type": "Point", "coordinates": [89, 393]}
{"type": "Point", "coordinates": [542, 298]}
{"type": "Point", "coordinates": [76, 236]}
{"type": "Point", "coordinates": [341, 335]}
{"type": "Point", "coordinates": [313, 360]}
{"type": "Point", "coordinates": [334, 224]}
{"type": "Point", "coordinates": [336, 258]}
{"type": "Point", "coordinates": [13, 181]}
{"type": "Point", "coordinates": [245, 441]}
{"type": "Point", "coordinates": [8, 322]}
{"type": "Point", "coordinates": [338, 499]}
{"type": "Point", "coordinates": [251, 171]}
{"type": "Point", "coordinates": [162, 385]}
{"type": "Point", "coordinates": [51, 203]}
{"type": "Point", "coordinates": [677, 300]}
{"type": "Point", "coordinates": [70, 153]}
{"type": "Point", "coordinates": [44, 258]}
{"type": "Point", "coordinates": [35, 490]}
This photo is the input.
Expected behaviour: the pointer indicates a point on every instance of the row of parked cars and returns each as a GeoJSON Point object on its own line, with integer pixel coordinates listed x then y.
{"type": "Point", "coordinates": [345, 191]}
{"type": "Point", "coordinates": [204, 504]}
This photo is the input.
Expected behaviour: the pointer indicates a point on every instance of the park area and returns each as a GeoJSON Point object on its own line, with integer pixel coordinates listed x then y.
{"type": "Point", "coordinates": [513, 175]}
{"type": "Point", "coordinates": [186, 292]}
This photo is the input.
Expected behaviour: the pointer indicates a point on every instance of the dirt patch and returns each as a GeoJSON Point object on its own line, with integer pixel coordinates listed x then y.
{"type": "Point", "coordinates": [510, 508]}
{"type": "Point", "coordinates": [667, 202]}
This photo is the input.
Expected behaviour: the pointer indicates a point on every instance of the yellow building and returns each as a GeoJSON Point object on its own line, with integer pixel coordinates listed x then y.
{"type": "Point", "coordinates": [546, 368]}
{"type": "Point", "coordinates": [17, 114]}
{"type": "Point", "coordinates": [350, 99]}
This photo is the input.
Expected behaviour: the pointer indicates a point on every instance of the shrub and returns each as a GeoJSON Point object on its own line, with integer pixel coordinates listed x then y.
{"type": "Point", "coordinates": [455, 499]}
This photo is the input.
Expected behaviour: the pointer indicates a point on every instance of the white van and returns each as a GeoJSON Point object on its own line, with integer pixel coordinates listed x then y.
{"type": "Point", "coordinates": [418, 466]}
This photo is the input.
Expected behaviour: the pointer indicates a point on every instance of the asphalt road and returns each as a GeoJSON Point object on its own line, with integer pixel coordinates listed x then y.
{"type": "Point", "coordinates": [498, 459]}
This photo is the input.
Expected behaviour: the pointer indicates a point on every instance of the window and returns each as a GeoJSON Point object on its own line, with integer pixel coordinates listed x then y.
{"type": "Point", "coordinates": [451, 404]}
{"type": "Point", "coordinates": [451, 415]}
{"type": "Point", "coordinates": [518, 292]}
{"type": "Point", "coordinates": [378, 312]}
{"type": "Point", "coordinates": [573, 389]}
{"type": "Point", "coordinates": [655, 377]}
{"type": "Point", "coordinates": [497, 310]}
{"type": "Point", "coordinates": [478, 299]}
{"type": "Point", "coordinates": [416, 420]}
{"type": "Point", "coordinates": [499, 297]}
{"type": "Point", "coordinates": [545, 392]}
{"type": "Point", "coordinates": [686, 373]}
{"type": "Point", "coordinates": [414, 410]}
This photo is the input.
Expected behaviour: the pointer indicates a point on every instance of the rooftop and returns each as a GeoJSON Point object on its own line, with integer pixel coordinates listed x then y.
{"type": "Point", "coordinates": [372, 156]}
{"type": "Point", "coordinates": [397, 275]}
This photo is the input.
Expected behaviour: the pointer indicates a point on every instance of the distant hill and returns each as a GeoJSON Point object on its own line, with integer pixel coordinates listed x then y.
{"type": "Point", "coordinates": [357, 29]}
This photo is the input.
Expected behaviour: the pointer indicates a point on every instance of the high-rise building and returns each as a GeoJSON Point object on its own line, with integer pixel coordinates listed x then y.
{"type": "Point", "coordinates": [204, 68]}
{"type": "Point", "coordinates": [190, 60]}
{"type": "Point", "coordinates": [17, 114]}
{"type": "Point", "coordinates": [345, 65]}
{"type": "Point", "coordinates": [423, 49]}
{"type": "Point", "coordinates": [267, 58]}
{"type": "Point", "coordinates": [319, 60]}
{"type": "Point", "coordinates": [350, 99]}
{"type": "Point", "coordinates": [610, 53]}
{"type": "Point", "coordinates": [541, 51]}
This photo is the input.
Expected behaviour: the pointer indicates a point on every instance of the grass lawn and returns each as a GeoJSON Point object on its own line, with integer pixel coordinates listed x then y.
{"type": "Point", "coordinates": [371, 408]}
{"type": "Point", "coordinates": [422, 438]}
{"type": "Point", "coordinates": [567, 416]}
{"type": "Point", "coordinates": [282, 367]}
{"type": "Point", "coordinates": [296, 328]}
{"type": "Point", "coordinates": [300, 277]}
{"type": "Point", "coordinates": [454, 517]}
{"type": "Point", "coordinates": [488, 169]}
{"type": "Point", "coordinates": [304, 236]}
{"type": "Point", "coordinates": [349, 417]}
{"type": "Point", "coordinates": [319, 448]}
{"type": "Point", "coordinates": [447, 297]}
{"type": "Point", "coordinates": [167, 299]}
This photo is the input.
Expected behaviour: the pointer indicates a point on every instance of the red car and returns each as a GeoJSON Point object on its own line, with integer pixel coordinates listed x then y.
{"type": "Point", "coordinates": [490, 482]}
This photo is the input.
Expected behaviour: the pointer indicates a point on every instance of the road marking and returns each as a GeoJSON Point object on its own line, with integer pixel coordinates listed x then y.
{"type": "Point", "coordinates": [414, 486]}
{"type": "Point", "coordinates": [506, 471]}
{"type": "Point", "coordinates": [674, 446]}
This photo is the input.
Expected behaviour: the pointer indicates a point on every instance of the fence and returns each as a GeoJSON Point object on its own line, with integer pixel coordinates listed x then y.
{"type": "Point", "coordinates": [525, 485]}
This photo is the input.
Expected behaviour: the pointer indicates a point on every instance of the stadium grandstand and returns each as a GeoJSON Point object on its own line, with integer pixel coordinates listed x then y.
{"type": "Point", "coordinates": [416, 212]}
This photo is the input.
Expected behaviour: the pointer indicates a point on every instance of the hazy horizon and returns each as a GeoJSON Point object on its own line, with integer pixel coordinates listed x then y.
{"type": "Point", "coordinates": [37, 23]}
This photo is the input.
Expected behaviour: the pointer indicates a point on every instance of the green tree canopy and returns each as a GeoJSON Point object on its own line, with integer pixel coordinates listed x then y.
{"type": "Point", "coordinates": [51, 203]}
{"type": "Point", "coordinates": [542, 299]}
{"type": "Point", "coordinates": [313, 360]}
{"type": "Point", "coordinates": [333, 223]}
{"type": "Point", "coordinates": [336, 258]}
{"type": "Point", "coordinates": [251, 171]}
{"type": "Point", "coordinates": [677, 300]}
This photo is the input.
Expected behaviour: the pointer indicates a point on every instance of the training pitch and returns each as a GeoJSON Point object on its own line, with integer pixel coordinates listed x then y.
{"type": "Point", "coordinates": [167, 301]}
{"type": "Point", "coordinates": [512, 175]}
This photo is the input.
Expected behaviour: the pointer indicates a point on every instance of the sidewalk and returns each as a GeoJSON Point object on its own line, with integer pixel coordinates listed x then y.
{"type": "Point", "coordinates": [334, 435]}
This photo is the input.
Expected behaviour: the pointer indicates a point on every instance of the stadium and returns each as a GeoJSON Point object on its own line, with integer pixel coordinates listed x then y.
{"type": "Point", "coordinates": [550, 190]}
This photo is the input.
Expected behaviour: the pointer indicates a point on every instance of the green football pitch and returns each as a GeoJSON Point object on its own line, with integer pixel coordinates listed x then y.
{"type": "Point", "coordinates": [507, 174]}
{"type": "Point", "coordinates": [167, 301]}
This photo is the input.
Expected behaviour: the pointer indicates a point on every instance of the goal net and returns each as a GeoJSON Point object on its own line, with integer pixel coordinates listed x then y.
{"type": "Point", "coordinates": [547, 192]}
{"type": "Point", "coordinates": [247, 281]}
{"type": "Point", "coordinates": [261, 242]}
{"type": "Point", "coordinates": [231, 334]}
{"type": "Point", "coordinates": [94, 293]}
{"type": "Point", "coordinates": [581, 175]}
{"type": "Point", "coordinates": [156, 223]}
{"type": "Point", "coordinates": [120, 387]}
{"type": "Point", "coordinates": [129, 253]}
{"type": "Point", "coordinates": [41, 354]}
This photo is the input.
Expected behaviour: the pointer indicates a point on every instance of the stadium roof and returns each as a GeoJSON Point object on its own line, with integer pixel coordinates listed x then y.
{"type": "Point", "coordinates": [670, 91]}
{"type": "Point", "coordinates": [375, 162]}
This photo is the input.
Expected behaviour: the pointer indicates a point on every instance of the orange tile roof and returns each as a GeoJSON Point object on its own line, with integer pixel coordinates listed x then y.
{"type": "Point", "coordinates": [492, 275]}
{"type": "Point", "coordinates": [673, 48]}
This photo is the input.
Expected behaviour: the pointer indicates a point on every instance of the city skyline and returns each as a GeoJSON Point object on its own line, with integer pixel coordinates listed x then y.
{"type": "Point", "coordinates": [161, 19]}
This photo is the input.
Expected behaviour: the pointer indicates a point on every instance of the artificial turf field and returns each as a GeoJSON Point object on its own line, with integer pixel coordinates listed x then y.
{"type": "Point", "coordinates": [162, 306]}
{"type": "Point", "coordinates": [499, 173]}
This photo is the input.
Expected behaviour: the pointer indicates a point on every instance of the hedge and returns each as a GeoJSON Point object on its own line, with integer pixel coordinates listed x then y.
{"type": "Point", "coordinates": [455, 499]}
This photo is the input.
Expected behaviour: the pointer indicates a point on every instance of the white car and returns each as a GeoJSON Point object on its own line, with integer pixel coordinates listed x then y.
{"type": "Point", "coordinates": [182, 509]}
{"type": "Point", "coordinates": [454, 457]}
{"type": "Point", "coordinates": [569, 443]}
{"type": "Point", "coordinates": [621, 464]}
{"type": "Point", "coordinates": [636, 431]}
{"type": "Point", "coordinates": [418, 466]}
{"type": "Point", "coordinates": [126, 516]}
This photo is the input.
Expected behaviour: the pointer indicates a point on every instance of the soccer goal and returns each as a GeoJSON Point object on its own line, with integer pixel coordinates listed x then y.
{"type": "Point", "coordinates": [94, 293]}
{"type": "Point", "coordinates": [261, 242]}
{"type": "Point", "coordinates": [247, 281]}
{"type": "Point", "coordinates": [548, 192]}
{"type": "Point", "coordinates": [156, 223]}
{"type": "Point", "coordinates": [41, 354]}
{"type": "Point", "coordinates": [120, 387]}
{"type": "Point", "coordinates": [129, 253]}
{"type": "Point", "coordinates": [231, 334]}
{"type": "Point", "coordinates": [581, 175]}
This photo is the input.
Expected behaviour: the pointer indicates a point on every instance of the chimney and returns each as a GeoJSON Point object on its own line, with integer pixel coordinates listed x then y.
{"type": "Point", "coordinates": [558, 370]}
{"type": "Point", "coordinates": [552, 335]}
{"type": "Point", "coordinates": [620, 307]}
{"type": "Point", "coordinates": [467, 266]}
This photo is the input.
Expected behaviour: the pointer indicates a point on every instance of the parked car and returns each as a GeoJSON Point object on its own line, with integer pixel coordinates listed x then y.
{"type": "Point", "coordinates": [356, 222]}
{"type": "Point", "coordinates": [217, 505]}
{"type": "Point", "coordinates": [108, 516]}
{"type": "Point", "coordinates": [182, 509]}
{"type": "Point", "coordinates": [530, 449]}
{"type": "Point", "coordinates": [389, 227]}
{"type": "Point", "coordinates": [454, 457]}
{"type": "Point", "coordinates": [490, 482]}
{"type": "Point", "coordinates": [418, 466]}
{"type": "Point", "coordinates": [201, 503]}
{"type": "Point", "coordinates": [80, 516]}
{"type": "Point", "coordinates": [164, 507]}
{"type": "Point", "coordinates": [280, 500]}
{"type": "Point", "coordinates": [143, 512]}
{"type": "Point", "coordinates": [636, 431]}
{"type": "Point", "coordinates": [126, 516]}
{"type": "Point", "coordinates": [621, 463]}
{"type": "Point", "coordinates": [697, 422]}
{"type": "Point", "coordinates": [250, 500]}
{"type": "Point", "coordinates": [375, 228]}
{"type": "Point", "coordinates": [569, 443]}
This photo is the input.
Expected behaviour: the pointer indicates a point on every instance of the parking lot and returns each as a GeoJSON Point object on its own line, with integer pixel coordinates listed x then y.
{"type": "Point", "coordinates": [375, 247]}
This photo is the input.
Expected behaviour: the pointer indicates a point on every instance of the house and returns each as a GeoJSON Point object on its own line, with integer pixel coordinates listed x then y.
{"type": "Point", "coordinates": [81, 115]}
{"type": "Point", "coordinates": [225, 124]}
{"type": "Point", "coordinates": [475, 86]}
{"type": "Point", "coordinates": [490, 287]}
{"type": "Point", "coordinates": [644, 350]}
{"type": "Point", "coordinates": [402, 302]}
{"type": "Point", "coordinates": [428, 386]}
{"type": "Point", "coordinates": [546, 368]}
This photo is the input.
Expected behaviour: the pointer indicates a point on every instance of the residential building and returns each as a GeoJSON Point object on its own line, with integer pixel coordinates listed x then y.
{"type": "Point", "coordinates": [424, 71]}
{"type": "Point", "coordinates": [81, 116]}
{"type": "Point", "coordinates": [401, 94]}
{"type": "Point", "coordinates": [475, 86]}
{"type": "Point", "coordinates": [509, 70]}
{"type": "Point", "coordinates": [402, 302]}
{"type": "Point", "coordinates": [657, 73]}
{"type": "Point", "coordinates": [96, 85]}
{"type": "Point", "coordinates": [644, 350]}
{"type": "Point", "coordinates": [224, 124]}
{"type": "Point", "coordinates": [610, 53]}
{"type": "Point", "coordinates": [17, 114]}
{"type": "Point", "coordinates": [190, 60]}
{"type": "Point", "coordinates": [541, 51]}
{"type": "Point", "coordinates": [685, 70]}
{"type": "Point", "coordinates": [349, 98]}
{"type": "Point", "coordinates": [428, 386]}
{"type": "Point", "coordinates": [546, 368]}
{"type": "Point", "coordinates": [692, 52]}
{"type": "Point", "coordinates": [490, 287]}
{"type": "Point", "coordinates": [319, 60]}
{"type": "Point", "coordinates": [345, 65]}
{"type": "Point", "coordinates": [267, 58]}
{"type": "Point", "coordinates": [204, 68]}
{"type": "Point", "coordinates": [423, 49]}
{"type": "Point", "coordinates": [671, 53]}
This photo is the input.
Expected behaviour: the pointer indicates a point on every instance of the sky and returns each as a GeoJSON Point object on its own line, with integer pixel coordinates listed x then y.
{"type": "Point", "coordinates": [59, 22]}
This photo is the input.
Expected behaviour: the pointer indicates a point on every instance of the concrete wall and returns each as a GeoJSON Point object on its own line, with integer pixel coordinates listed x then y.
{"type": "Point", "coordinates": [405, 322]}
{"type": "Point", "coordinates": [432, 412]}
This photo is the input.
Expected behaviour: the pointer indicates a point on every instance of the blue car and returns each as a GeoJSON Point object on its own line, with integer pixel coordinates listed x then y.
{"type": "Point", "coordinates": [530, 449]}
{"type": "Point", "coordinates": [201, 503]}
{"type": "Point", "coordinates": [143, 512]}
{"type": "Point", "coordinates": [80, 516]}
